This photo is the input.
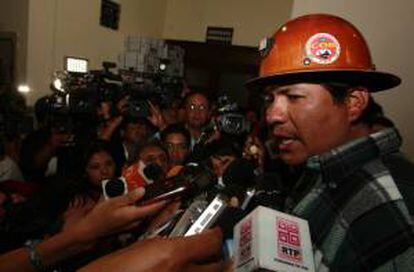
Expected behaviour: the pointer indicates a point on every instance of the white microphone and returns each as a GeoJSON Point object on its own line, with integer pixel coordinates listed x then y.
{"type": "Point", "coordinates": [191, 214]}
{"type": "Point", "coordinates": [209, 216]}
{"type": "Point", "coordinates": [268, 240]}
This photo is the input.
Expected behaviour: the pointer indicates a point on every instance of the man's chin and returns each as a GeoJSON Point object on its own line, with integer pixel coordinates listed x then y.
{"type": "Point", "coordinates": [196, 126]}
{"type": "Point", "coordinates": [292, 159]}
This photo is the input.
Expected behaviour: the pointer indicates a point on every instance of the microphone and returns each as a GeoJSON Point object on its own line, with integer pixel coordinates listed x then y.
{"type": "Point", "coordinates": [220, 209]}
{"type": "Point", "coordinates": [259, 188]}
{"type": "Point", "coordinates": [240, 180]}
{"type": "Point", "coordinates": [153, 172]}
{"type": "Point", "coordinates": [218, 212]}
{"type": "Point", "coordinates": [269, 240]}
{"type": "Point", "coordinates": [241, 172]}
{"type": "Point", "coordinates": [114, 187]}
{"type": "Point", "coordinates": [208, 209]}
{"type": "Point", "coordinates": [192, 179]}
{"type": "Point", "coordinates": [269, 192]}
{"type": "Point", "coordinates": [209, 216]}
{"type": "Point", "coordinates": [194, 210]}
{"type": "Point", "coordinates": [135, 177]}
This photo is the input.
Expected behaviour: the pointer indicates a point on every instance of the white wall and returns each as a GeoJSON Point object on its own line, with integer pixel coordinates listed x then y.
{"type": "Point", "coordinates": [58, 28]}
{"type": "Point", "coordinates": [251, 20]}
{"type": "Point", "coordinates": [71, 28]}
{"type": "Point", "coordinates": [13, 18]}
{"type": "Point", "coordinates": [388, 29]}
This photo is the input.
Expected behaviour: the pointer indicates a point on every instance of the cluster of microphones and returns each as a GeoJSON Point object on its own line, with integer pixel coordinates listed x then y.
{"type": "Point", "coordinates": [256, 236]}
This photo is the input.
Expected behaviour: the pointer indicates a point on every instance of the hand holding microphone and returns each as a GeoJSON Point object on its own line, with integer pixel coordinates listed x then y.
{"type": "Point", "coordinates": [254, 151]}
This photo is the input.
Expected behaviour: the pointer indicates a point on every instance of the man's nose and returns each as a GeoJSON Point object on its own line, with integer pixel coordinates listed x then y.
{"type": "Point", "coordinates": [276, 112]}
{"type": "Point", "coordinates": [174, 153]}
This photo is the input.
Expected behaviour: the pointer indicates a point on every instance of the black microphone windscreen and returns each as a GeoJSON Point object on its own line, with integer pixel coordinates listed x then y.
{"type": "Point", "coordinates": [240, 172]}
{"type": "Point", "coordinates": [269, 192]}
{"type": "Point", "coordinates": [192, 179]}
{"type": "Point", "coordinates": [199, 174]}
{"type": "Point", "coordinates": [114, 187]}
{"type": "Point", "coordinates": [153, 171]}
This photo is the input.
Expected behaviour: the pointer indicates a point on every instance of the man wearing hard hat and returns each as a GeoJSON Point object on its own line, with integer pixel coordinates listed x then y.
{"type": "Point", "coordinates": [357, 191]}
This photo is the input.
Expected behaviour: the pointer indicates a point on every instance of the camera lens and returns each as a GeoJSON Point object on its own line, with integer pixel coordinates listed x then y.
{"type": "Point", "coordinates": [233, 124]}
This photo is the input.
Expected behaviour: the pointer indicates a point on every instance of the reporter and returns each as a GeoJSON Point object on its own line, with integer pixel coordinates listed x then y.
{"type": "Point", "coordinates": [105, 218]}
{"type": "Point", "coordinates": [194, 253]}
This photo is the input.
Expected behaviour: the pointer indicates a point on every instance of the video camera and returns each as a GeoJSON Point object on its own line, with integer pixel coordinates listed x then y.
{"type": "Point", "coordinates": [230, 118]}
{"type": "Point", "coordinates": [79, 94]}
{"type": "Point", "coordinates": [158, 87]}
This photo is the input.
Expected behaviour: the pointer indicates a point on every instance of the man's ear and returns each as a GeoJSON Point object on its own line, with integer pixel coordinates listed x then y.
{"type": "Point", "coordinates": [357, 101]}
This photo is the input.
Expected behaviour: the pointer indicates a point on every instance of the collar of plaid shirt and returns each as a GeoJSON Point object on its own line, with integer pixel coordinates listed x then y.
{"type": "Point", "coordinates": [343, 161]}
{"type": "Point", "coordinates": [334, 166]}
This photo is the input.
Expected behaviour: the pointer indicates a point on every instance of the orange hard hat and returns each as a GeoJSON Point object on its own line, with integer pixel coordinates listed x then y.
{"type": "Point", "coordinates": [319, 48]}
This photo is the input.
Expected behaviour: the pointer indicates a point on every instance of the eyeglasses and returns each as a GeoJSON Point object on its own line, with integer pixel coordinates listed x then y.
{"type": "Point", "coordinates": [194, 107]}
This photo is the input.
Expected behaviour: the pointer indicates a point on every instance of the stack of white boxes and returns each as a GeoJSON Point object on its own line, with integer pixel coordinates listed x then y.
{"type": "Point", "coordinates": [145, 55]}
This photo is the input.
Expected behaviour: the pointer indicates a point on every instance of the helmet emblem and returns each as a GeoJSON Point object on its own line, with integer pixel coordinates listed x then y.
{"type": "Point", "coordinates": [323, 48]}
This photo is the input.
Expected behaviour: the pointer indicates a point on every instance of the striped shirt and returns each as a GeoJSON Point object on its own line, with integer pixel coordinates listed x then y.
{"type": "Point", "coordinates": [359, 202]}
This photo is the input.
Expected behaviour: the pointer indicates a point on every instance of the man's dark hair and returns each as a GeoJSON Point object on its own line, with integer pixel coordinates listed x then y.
{"type": "Point", "coordinates": [193, 93]}
{"type": "Point", "coordinates": [338, 91]}
{"type": "Point", "coordinates": [178, 129]}
{"type": "Point", "coordinates": [95, 147]}
{"type": "Point", "coordinates": [224, 146]}
{"type": "Point", "coordinates": [135, 120]}
{"type": "Point", "coordinates": [371, 113]}
{"type": "Point", "coordinates": [152, 143]}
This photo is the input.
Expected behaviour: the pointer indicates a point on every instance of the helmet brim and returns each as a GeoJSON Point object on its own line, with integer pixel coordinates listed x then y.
{"type": "Point", "coordinates": [373, 80]}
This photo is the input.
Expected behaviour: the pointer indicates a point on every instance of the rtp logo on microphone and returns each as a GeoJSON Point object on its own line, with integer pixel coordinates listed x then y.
{"type": "Point", "coordinates": [245, 242]}
{"type": "Point", "coordinates": [288, 242]}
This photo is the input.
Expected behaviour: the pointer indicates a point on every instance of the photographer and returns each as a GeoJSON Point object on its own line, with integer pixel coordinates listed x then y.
{"type": "Point", "coordinates": [227, 121]}
{"type": "Point", "coordinates": [15, 123]}
{"type": "Point", "coordinates": [40, 152]}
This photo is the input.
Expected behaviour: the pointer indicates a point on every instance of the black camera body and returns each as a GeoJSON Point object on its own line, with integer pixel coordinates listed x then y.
{"type": "Point", "coordinates": [158, 88]}
{"type": "Point", "coordinates": [233, 123]}
{"type": "Point", "coordinates": [78, 95]}
{"type": "Point", "coordinates": [229, 119]}
{"type": "Point", "coordinates": [138, 109]}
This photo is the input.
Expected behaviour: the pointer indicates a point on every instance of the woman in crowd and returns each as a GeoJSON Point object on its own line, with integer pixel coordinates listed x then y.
{"type": "Point", "coordinates": [98, 165]}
